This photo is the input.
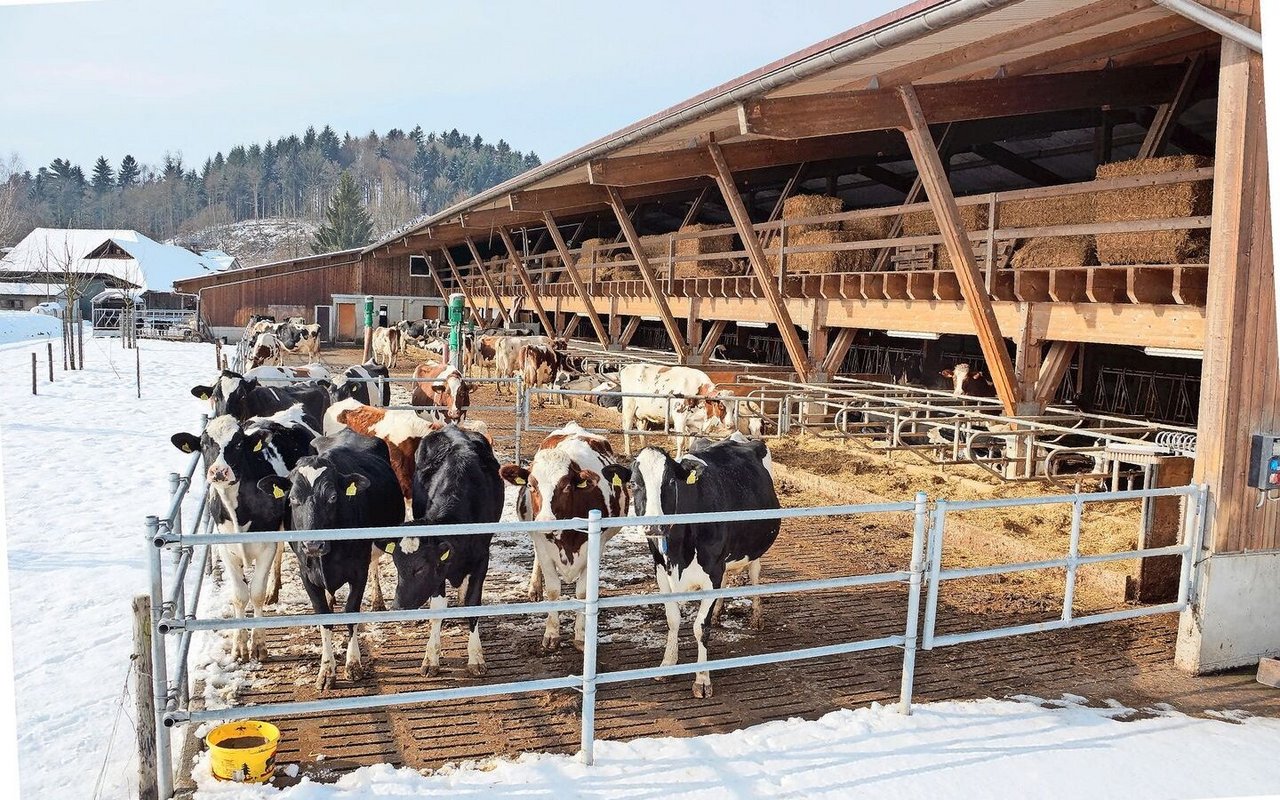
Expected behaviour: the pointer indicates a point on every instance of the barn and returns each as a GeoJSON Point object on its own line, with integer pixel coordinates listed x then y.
{"type": "Point", "coordinates": [1071, 196]}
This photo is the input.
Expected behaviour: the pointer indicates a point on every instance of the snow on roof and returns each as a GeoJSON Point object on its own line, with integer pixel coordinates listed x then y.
{"type": "Point", "coordinates": [152, 266]}
{"type": "Point", "coordinates": [223, 259]}
{"type": "Point", "coordinates": [32, 289]}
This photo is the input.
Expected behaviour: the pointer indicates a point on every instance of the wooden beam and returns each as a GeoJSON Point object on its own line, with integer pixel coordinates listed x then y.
{"type": "Point", "coordinates": [956, 239]}
{"type": "Point", "coordinates": [478, 264]}
{"type": "Point", "coordinates": [695, 208]}
{"type": "Point", "coordinates": [435, 279]}
{"type": "Point", "coordinates": [589, 195]}
{"type": "Point", "coordinates": [457, 278]}
{"type": "Point", "coordinates": [570, 326]}
{"type": "Point", "coordinates": [755, 254]}
{"type": "Point", "coordinates": [1167, 114]}
{"type": "Point", "coordinates": [838, 349]}
{"type": "Point", "coordinates": [517, 263]}
{"type": "Point", "coordinates": [712, 338]}
{"type": "Point", "coordinates": [571, 267]}
{"type": "Point", "coordinates": [642, 262]}
{"type": "Point", "coordinates": [835, 113]}
{"type": "Point", "coordinates": [1022, 167]}
{"type": "Point", "coordinates": [1052, 370]}
{"type": "Point", "coordinates": [885, 177]}
{"type": "Point", "coordinates": [629, 331]}
{"type": "Point", "coordinates": [476, 316]}
{"type": "Point", "coordinates": [1103, 47]}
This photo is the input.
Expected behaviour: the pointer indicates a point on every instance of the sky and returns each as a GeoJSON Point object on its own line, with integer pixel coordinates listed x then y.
{"type": "Point", "coordinates": [111, 77]}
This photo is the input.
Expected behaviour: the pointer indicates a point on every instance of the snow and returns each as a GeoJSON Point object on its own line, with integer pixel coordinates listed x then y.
{"type": "Point", "coordinates": [83, 463]}
{"type": "Point", "coordinates": [153, 266]}
{"type": "Point", "coordinates": [19, 326]}
{"type": "Point", "coordinates": [987, 748]}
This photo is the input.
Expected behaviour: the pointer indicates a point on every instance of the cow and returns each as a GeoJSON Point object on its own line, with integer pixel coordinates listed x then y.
{"type": "Point", "coordinates": [288, 376]}
{"type": "Point", "coordinates": [348, 483]}
{"type": "Point", "coordinates": [440, 389]}
{"type": "Point", "coordinates": [506, 358]}
{"type": "Point", "coordinates": [289, 335]}
{"type": "Point", "coordinates": [358, 383]}
{"type": "Point", "coordinates": [966, 382]}
{"type": "Point", "coordinates": [693, 407]}
{"type": "Point", "coordinates": [237, 455]}
{"type": "Point", "coordinates": [455, 481]}
{"type": "Point", "coordinates": [387, 346]}
{"type": "Point", "coordinates": [483, 352]}
{"type": "Point", "coordinates": [573, 473]}
{"type": "Point", "coordinates": [266, 347]}
{"type": "Point", "coordinates": [737, 352]}
{"type": "Point", "coordinates": [730, 475]}
{"type": "Point", "coordinates": [539, 365]}
{"type": "Point", "coordinates": [241, 397]}
{"type": "Point", "coordinates": [308, 346]}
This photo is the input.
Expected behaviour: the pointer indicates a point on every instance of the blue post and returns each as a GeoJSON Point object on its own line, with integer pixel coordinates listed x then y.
{"type": "Point", "coordinates": [591, 611]}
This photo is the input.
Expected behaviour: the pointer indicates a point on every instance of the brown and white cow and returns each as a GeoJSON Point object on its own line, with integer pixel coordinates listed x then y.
{"type": "Point", "coordinates": [387, 346]}
{"type": "Point", "coordinates": [484, 352]}
{"type": "Point", "coordinates": [573, 472]}
{"type": "Point", "coordinates": [441, 389]}
{"type": "Point", "coordinates": [685, 398]}
{"type": "Point", "coordinates": [539, 365]}
{"type": "Point", "coordinates": [965, 381]}
{"type": "Point", "coordinates": [266, 348]}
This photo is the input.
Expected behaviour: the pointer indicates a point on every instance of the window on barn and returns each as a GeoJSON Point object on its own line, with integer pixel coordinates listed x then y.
{"type": "Point", "coordinates": [419, 267]}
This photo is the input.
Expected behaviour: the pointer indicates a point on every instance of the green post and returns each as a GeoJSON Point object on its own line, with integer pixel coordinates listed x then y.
{"type": "Point", "coordinates": [456, 307]}
{"type": "Point", "coordinates": [368, 327]}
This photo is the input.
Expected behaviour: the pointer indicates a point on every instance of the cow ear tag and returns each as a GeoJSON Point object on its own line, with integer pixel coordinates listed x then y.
{"type": "Point", "coordinates": [582, 484]}
{"type": "Point", "coordinates": [351, 490]}
{"type": "Point", "coordinates": [390, 548]}
{"type": "Point", "coordinates": [277, 492]}
{"type": "Point", "coordinates": [186, 448]}
{"type": "Point", "coordinates": [204, 395]}
{"type": "Point", "coordinates": [617, 480]}
{"type": "Point", "coordinates": [519, 481]}
{"type": "Point", "coordinates": [692, 479]}
{"type": "Point", "coordinates": [257, 446]}
{"type": "Point", "coordinates": [444, 556]}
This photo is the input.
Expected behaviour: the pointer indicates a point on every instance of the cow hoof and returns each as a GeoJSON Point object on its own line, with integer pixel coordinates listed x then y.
{"type": "Point", "coordinates": [477, 670]}
{"type": "Point", "coordinates": [273, 599]}
{"type": "Point", "coordinates": [356, 671]}
{"type": "Point", "coordinates": [702, 691]}
{"type": "Point", "coordinates": [535, 595]}
{"type": "Point", "coordinates": [757, 623]}
{"type": "Point", "coordinates": [259, 651]}
{"type": "Point", "coordinates": [241, 652]}
{"type": "Point", "coordinates": [324, 681]}
{"type": "Point", "coordinates": [550, 644]}
{"type": "Point", "coordinates": [431, 670]}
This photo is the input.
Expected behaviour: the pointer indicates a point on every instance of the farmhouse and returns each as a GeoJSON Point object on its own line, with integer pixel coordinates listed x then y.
{"type": "Point", "coordinates": [1071, 195]}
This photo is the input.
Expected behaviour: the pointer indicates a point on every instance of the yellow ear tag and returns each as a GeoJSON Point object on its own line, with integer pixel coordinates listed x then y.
{"type": "Point", "coordinates": [186, 448]}
{"type": "Point", "coordinates": [390, 548]}
{"type": "Point", "coordinates": [351, 490]}
{"type": "Point", "coordinates": [204, 396]}
{"type": "Point", "coordinates": [444, 556]}
{"type": "Point", "coordinates": [582, 484]}
{"type": "Point", "coordinates": [617, 480]}
{"type": "Point", "coordinates": [519, 481]}
{"type": "Point", "coordinates": [277, 492]}
{"type": "Point", "coordinates": [692, 479]}
{"type": "Point", "coordinates": [257, 446]}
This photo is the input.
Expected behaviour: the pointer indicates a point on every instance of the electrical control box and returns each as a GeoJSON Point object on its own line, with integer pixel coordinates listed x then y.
{"type": "Point", "coordinates": [1264, 461]}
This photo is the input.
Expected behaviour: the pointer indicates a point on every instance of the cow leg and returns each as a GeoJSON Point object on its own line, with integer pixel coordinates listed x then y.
{"type": "Point", "coordinates": [233, 563]}
{"type": "Point", "coordinates": [717, 610]}
{"type": "Point", "coordinates": [258, 596]}
{"type": "Point", "coordinates": [628, 421]}
{"type": "Point", "coordinates": [273, 594]}
{"type": "Point", "coordinates": [324, 680]}
{"type": "Point", "coordinates": [672, 654]}
{"type": "Point", "coordinates": [475, 653]}
{"type": "Point", "coordinates": [376, 601]}
{"type": "Point", "coordinates": [678, 428]}
{"type": "Point", "coordinates": [535, 578]}
{"type": "Point", "coordinates": [701, 631]}
{"type": "Point", "coordinates": [355, 662]}
{"type": "Point", "coordinates": [757, 602]}
{"type": "Point", "coordinates": [431, 662]}
{"type": "Point", "coordinates": [551, 584]}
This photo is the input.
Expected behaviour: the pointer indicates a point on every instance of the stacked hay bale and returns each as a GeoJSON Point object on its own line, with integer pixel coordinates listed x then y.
{"type": "Point", "coordinates": [864, 229]}
{"type": "Point", "coordinates": [1051, 251]}
{"type": "Point", "coordinates": [813, 234]}
{"type": "Point", "coordinates": [687, 249]}
{"type": "Point", "coordinates": [1153, 202]}
{"type": "Point", "coordinates": [923, 223]}
{"type": "Point", "coordinates": [588, 259]}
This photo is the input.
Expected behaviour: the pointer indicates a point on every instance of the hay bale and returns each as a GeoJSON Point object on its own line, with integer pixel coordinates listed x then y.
{"type": "Point", "coordinates": [1072, 209]}
{"type": "Point", "coordinates": [822, 262]}
{"type": "Point", "coordinates": [686, 249]}
{"type": "Point", "coordinates": [868, 228]}
{"type": "Point", "coordinates": [1152, 202]}
{"type": "Point", "coordinates": [922, 223]}
{"type": "Point", "coordinates": [1054, 251]}
{"type": "Point", "coordinates": [811, 205]}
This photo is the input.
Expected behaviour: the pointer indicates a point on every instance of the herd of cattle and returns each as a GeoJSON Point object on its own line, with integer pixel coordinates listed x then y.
{"type": "Point", "coordinates": [313, 448]}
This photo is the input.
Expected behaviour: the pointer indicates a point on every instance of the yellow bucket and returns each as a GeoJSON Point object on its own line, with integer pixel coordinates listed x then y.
{"type": "Point", "coordinates": [244, 752]}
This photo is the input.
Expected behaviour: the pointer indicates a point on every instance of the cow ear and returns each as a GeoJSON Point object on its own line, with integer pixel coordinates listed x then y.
{"type": "Point", "coordinates": [202, 392]}
{"type": "Point", "coordinates": [277, 486]}
{"type": "Point", "coordinates": [354, 484]}
{"type": "Point", "coordinates": [616, 474]}
{"type": "Point", "coordinates": [976, 376]}
{"type": "Point", "coordinates": [946, 373]}
{"type": "Point", "coordinates": [692, 469]}
{"type": "Point", "coordinates": [514, 474]}
{"type": "Point", "coordinates": [186, 442]}
{"type": "Point", "coordinates": [587, 478]}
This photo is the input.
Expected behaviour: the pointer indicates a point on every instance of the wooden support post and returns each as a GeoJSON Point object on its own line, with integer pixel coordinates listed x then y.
{"type": "Point", "coordinates": [571, 267]}
{"type": "Point", "coordinates": [633, 325]}
{"type": "Point", "coordinates": [712, 338]}
{"type": "Point", "coordinates": [693, 333]}
{"type": "Point", "coordinates": [615, 325]}
{"type": "Point", "coordinates": [1052, 370]}
{"type": "Point", "coordinates": [956, 239]}
{"type": "Point", "coordinates": [462, 287]}
{"type": "Point", "coordinates": [913, 196]}
{"type": "Point", "coordinates": [655, 290]}
{"type": "Point", "coordinates": [837, 350]}
{"type": "Point", "coordinates": [477, 264]}
{"type": "Point", "coordinates": [144, 712]}
{"type": "Point", "coordinates": [1167, 113]}
{"type": "Point", "coordinates": [570, 326]}
{"type": "Point", "coordinates": [1027, 364]}
{"type": "Point", "coordinates": [787, 189]}
{"type": "Point", "coordinates": [50, 346]}
{"type": "Point", "coordinates": [517, 264]}
{"type": "Point", "coordinates": [755, 254]}
{"type": "Point", "coordinates": [695, 208]}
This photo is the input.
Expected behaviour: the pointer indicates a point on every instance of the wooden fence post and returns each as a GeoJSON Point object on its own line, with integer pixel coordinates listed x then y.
{"type": "Point", "coordinates": [144, 699]}
{"type": "Point", "coordinates": [33, 373]}
{"type": "Point", "coordinates": [50, 345]}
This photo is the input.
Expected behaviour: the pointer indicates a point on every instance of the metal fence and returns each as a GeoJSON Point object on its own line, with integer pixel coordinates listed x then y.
{"type": "Point", "coordinates": [149, 323]}
{"type": "Point", "coordinates": [176, 609]}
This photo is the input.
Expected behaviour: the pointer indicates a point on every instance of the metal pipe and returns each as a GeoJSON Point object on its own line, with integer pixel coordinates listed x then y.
{"type": "Point", "coordinates": [590, 633]}
{"type": "Point", "coordinates": [159, 666]}
{"type": "Point", "coordinates": [787, 587]}
{"type": "Point", "coordinates": [1073, 556]}
{"type": "Point", "coordinates": [949, 639]}
{"type": "Point", "coordinates": [1215, 22]}
{"type": "Point", "coordinates": [911, 635]}
{"type": "Point", "coordinates": [935, 568]}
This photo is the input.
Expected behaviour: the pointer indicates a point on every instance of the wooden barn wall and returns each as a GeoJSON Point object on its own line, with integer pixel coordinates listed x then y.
{"type": "Point", "coordinates": [232, 304]}
{"type": "Point", "coordinates": [389, 275]}
{"type": "Point", "coordinates": [1241, 380]}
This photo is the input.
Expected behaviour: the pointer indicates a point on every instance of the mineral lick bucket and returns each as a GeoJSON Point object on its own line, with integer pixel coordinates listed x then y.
{"type": "Point", "coordinates": [244, 752]}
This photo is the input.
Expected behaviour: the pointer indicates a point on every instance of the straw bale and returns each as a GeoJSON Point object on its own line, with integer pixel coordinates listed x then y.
{"type": "Point", "coordinates": [1152, 202]}
{"type": "Point", "coordinates": [811, 205]}
{"type": "Point", "coordinates": [1054, 251]}
{"type": "Point", "coordinates": [922, 223]}
{"type": "Point", "coordinates": [822, 262]}
{"type": "Point", "coordinates": [687, 267]}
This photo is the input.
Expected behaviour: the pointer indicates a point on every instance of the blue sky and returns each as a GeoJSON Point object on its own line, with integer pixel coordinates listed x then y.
{"type": "Point", "coordinates": [113, 77]}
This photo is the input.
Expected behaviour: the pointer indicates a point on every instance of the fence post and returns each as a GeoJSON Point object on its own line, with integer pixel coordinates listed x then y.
{"type": "Point", "coordinates": [522, 411]}
{"type": "Point", "coordinates": [144, 702]}
{"type": "Point", "coordinates": [217, 354]}
{"type": "Point", "coordinates": [137, 368]}
{"type": "Point", "coordinates": [591, 611]}
{"type": "Point", "coordinates": [935, 566]}
{"type": "Point", "coordinates": [33, 373]}
{"type": "Point", "coordinates": [1073, 559]}
{"type": "Point", "coordinates": [911, 635]}
{"type": "Point", "coordinates": [159, 666]}
{"type": "Point", "coordinates": [50, 346]}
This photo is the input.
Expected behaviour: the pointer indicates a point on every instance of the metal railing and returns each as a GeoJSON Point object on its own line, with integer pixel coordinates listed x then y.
{"type": "Point", "coordinates": [155, 323]}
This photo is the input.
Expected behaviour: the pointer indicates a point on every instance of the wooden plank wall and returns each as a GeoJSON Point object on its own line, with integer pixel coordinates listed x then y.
{"type": "Point", "coordinates": [389, 275]}
{"type": "Point", "coordinates": [1241, 378]}
{"type": "Point", "coordinates": [231, 302]}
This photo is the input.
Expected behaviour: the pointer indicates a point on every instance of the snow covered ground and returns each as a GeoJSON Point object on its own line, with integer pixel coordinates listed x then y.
{"type": "Point", "coordinates": [83, 464]}
{"type": "Point", "coordinates": [988, 748]}
{"type": "Point", "coordinates": [19, 326]}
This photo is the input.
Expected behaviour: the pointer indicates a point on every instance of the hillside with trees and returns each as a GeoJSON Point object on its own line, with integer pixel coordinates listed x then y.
{"type": "Point", "coordinates": [395, 176]}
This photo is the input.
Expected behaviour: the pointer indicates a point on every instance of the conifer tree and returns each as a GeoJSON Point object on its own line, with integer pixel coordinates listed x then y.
{"type": "Point", "coordinates": [104, 177]}
{"type": "Point", "coordinates": [347, 223]}
{"type": "Point", "coordinates": [129, 171]}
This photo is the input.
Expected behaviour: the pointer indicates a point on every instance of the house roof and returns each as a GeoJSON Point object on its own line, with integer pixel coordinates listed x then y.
{"type": "Point", "coordinates": [32, 289]}
{"type": "Point", "coordinates": [134, 259]}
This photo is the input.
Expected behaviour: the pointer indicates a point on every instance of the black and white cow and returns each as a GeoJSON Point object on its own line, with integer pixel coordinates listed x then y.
{"type": "Point", "coordinates": [732, 475]}
{"type": "Point", "coordinates": [243, 398]}
{"type": "Point", "coordinates": [347, 484]}
{"type": "Point", "coordinates": [455, 481]}
{"type": "Point", "coordinates": [355, 383]}
{"type": "Point", "coordinates": [237, 456]}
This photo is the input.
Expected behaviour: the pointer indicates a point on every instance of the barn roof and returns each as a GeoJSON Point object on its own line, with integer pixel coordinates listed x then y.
{"type": "Point", "coordinates": [122, 254]}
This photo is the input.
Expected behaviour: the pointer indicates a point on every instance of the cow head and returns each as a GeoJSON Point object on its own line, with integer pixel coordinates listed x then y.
{"type": "Point", "coordinates": [225, 448]}
{"type": "Point", "coordinates": [958, 375]}
{"type": "Point", "coordinates": [557, 487]}
{"type": "Point", "coordinates": [658, 481]}
{"type": "Point", "coordinates": [421, 564]}
{"type": "Point", "coordinates": [315, 492]}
